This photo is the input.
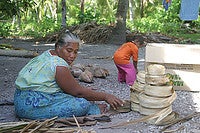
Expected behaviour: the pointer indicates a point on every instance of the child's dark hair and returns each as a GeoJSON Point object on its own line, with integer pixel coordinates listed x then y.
{"type": "Point", "coordinates": [65, 38]}
{"type": "Point", "coordinates": [139, 38]}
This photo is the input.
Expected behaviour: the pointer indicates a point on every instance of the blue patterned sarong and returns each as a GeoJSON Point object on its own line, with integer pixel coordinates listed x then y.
{"type": "Point", "coordinates": [40, 105]}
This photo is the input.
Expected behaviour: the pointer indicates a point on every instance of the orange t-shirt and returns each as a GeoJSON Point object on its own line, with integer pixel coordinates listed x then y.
{"type": "Point", "coordinates": [123, 54]}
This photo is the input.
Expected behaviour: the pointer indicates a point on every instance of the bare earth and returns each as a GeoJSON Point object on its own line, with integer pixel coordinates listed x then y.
{"type": "Point", "coordinates": [185, 104]}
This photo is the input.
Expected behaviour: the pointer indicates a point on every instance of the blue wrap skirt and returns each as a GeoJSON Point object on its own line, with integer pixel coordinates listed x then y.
{"type": "Point", "coordinates": [39, 105]}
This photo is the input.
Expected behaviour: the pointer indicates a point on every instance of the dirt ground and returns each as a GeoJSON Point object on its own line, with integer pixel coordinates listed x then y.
{"type": "Point", "coordinates": [185, 104]}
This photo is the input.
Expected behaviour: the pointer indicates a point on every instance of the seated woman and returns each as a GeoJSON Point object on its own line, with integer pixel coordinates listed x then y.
{"type": "Point", "coordinates": [45, 87]}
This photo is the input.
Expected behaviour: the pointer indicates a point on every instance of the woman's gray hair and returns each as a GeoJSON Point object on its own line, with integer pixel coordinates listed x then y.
{"type": "Point", "coordinates": [67, 37]}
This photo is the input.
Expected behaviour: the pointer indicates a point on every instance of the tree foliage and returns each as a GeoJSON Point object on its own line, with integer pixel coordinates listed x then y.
{"type": "Point", "coordinates": [40, 17]}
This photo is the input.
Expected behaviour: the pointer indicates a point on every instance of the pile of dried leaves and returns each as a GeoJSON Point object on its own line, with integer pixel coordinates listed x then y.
{"type": "Point", "coordinates": [47, 126]}
{"type": "Point", "coordinates": [92, 32]}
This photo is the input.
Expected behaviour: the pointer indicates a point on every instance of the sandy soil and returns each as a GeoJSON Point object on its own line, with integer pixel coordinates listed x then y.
{"type": "Point", "coordinates": [186, 102]}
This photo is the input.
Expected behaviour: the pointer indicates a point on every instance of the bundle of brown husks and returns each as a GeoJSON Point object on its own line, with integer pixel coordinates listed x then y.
{"type": "Point", "coordinates": [86, 73]}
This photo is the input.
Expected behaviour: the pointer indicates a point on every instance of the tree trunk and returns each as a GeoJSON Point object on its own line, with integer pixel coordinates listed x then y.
{"type": "Point", "coordinates": [55, 8]}
{"type": "Point", "coordinates": [82, 11]}
{"type": "Point", "coordinates": [118, 35]}
{"type": "Point", "coordinates": [19, 19]}
{"type": "Point", "coordinates": [56, 2]}
{"type": "Point", "coordinates": [142, 8]}
{"type": "Point", "coordinates": [131, 15]}
{"type": "Point", "coordinates": [63, 25]}
{"type": "Point", "coordinates": [82, 6]}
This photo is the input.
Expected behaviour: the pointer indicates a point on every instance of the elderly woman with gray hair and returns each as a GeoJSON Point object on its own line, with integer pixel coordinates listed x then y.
{"type": "Point", "coordinates": [45, 87]}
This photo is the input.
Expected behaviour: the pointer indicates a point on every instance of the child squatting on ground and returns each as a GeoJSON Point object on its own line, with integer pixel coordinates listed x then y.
{"type": "Point", "coordinates": [126, 70]}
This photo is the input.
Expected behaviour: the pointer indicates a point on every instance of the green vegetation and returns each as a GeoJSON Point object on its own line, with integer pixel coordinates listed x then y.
{"type": "Point", "coordinates": [168, 22]}
{"type": "Point", "coordinates": [36, 18]}
{"type": "Point", "coordinates": [194, 37]}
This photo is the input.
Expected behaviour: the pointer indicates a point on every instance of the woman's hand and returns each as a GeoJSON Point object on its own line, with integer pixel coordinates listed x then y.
{"type": "Point", "coordinates": [113, 101]}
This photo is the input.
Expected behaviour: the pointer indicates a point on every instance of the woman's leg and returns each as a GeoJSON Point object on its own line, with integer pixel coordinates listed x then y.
{"type": "Point", "coordinates": [39, 105]}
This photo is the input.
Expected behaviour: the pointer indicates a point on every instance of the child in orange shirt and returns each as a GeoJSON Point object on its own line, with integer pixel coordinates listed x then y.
{"type": "Point", "coordinates": [126, 70]}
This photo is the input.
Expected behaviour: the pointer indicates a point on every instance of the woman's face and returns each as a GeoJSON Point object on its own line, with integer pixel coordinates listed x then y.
{"type": "Point", "coordinates": [69, 52]}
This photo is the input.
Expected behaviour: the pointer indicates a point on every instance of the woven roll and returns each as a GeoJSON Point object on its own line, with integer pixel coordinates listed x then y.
{"type": "Point", "coordinates": [158, 91]}
{"type": "Point", "coordinates": [141, 77]}
{"type": "Point", "coordinates": [138, 86]}
{"type": "Point", "coordinates": [156, 80]}
{"type": "Point", "coordinates": [156, 102]}
{"type": "Point", "coordinates": [135, 106]}
{"type": "Point", "coordinates": [154, 96]}
{"type": "Point", "coordinates": [156, 69]}
{"type": "Point", "coordinates": [134, 96]}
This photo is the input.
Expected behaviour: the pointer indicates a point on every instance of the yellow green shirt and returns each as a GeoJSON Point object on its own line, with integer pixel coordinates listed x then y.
{"type": "Point", "coordinates": [39, 73]}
